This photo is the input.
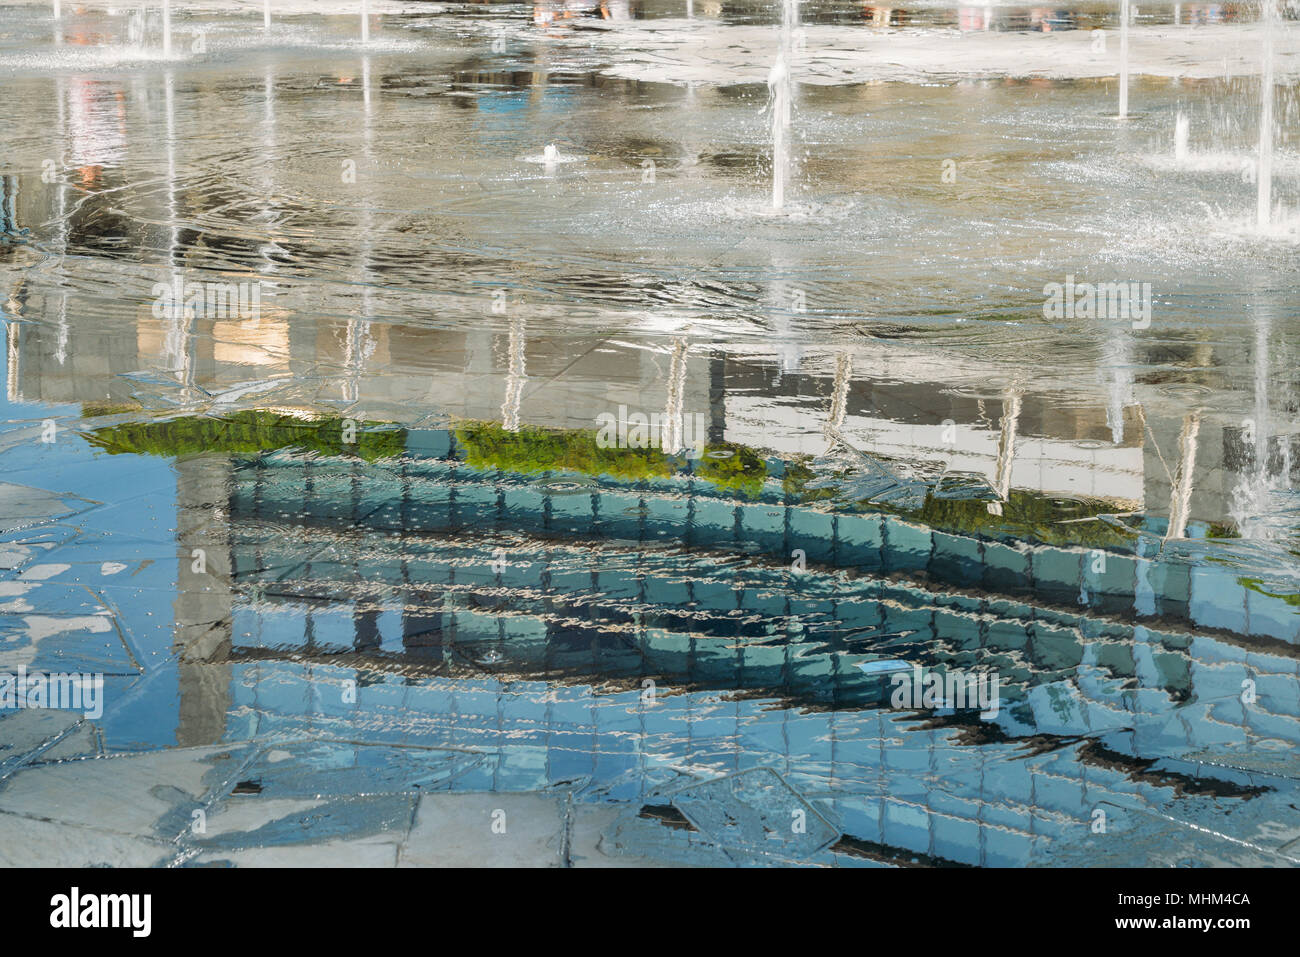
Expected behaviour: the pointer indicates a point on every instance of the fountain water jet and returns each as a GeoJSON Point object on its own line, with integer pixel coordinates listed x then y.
{"type": "Point", "coordinates": [1123, 58]}
{"type": "Point", "coordinates": [1264, 178]}
{"type": "Point", "coordinates": [781, 92]}
{"type": "Point", "coordinates": [365, 21]}
{"type": "Point", "coordinates": [266, 14]}
{"type": "Point", "coordinates": [1180, 494]}
{"type": "Point", "coordinates": [517, 376]}
{"type": "Point", "coordinates": [1266, 466]}
{"type": "Point", "coordinates": [167, 28]}
{"type": "Point", "coordinates": [1180, 137]}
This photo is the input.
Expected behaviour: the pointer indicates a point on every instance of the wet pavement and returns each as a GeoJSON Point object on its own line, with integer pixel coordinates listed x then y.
{"type": "Point", "coordinates": [418, 495]}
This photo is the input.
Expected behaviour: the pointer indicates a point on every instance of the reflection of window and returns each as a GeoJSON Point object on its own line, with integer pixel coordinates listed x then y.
{"type": "Point", "coordinates": [251, 342]}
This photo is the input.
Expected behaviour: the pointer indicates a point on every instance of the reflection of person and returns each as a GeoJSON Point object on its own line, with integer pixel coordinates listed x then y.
{"type": "Point", "coordinates": [1214, 13]}
{"type": "Point", "coordinates": [1046, 19]}
{"type": "Point", "coordinates": [549, 13]}
{"type": "Point", "coordinates": [1200, 13]}
{"type": "Point", "coordinates": [542, 14]}
{"type": "Point", "coordinates": [884, 16]}
{"type": "Point", "coordinates": [973, 18]}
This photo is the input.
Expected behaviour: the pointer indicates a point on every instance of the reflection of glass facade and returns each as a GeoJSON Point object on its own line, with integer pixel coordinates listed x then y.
{"type": "Point", "coordinates": [390, 578]}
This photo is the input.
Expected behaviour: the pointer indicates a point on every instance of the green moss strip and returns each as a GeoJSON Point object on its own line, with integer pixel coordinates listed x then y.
{"type": "Point", "coordinates": [248, 432]}
{"type": "Point", "coordinates": [486, 445]}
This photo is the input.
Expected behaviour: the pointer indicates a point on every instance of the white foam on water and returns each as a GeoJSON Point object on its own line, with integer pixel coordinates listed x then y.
{"type": "Point", "coordinates": [551, 156]}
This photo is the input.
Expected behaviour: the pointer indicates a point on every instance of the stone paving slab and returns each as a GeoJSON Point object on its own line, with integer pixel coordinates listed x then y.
{"type": "Point", "coordinates": [23, 732]}
{"type": "Point", "coordinates": [250, 822]}
{"type": "Point", "coordinates": [1154, 840]}
{"type": "Point", "coordinates": [149, 795]}
{"type": "Point", "coordinates": [590, 844]}
{"type": "Point", "coordinates": [82, 741]}
{"type": "Point", "coordinates": [310, 768]}
{"type": "Point", "coordinates": [330, 854]}
{"type": "Point", "coordinates": [30, 842]}
{"type": "Point", "coordinates": [756, 811]}
{"type": "Point", "coordinates": [487, 830]}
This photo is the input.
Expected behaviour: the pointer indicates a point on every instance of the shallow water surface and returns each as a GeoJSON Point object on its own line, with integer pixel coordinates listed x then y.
{"type": "Point", "coordinates": [375, 454]}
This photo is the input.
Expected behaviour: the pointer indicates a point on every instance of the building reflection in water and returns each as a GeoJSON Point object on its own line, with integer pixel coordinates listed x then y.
{"type": "Point", "coordinates": [484, 603]}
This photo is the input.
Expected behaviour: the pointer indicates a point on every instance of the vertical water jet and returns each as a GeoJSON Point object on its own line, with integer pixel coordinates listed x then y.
{"type": "Point", "coordinates": [780, 90]}
{"type": "Point", "coordinates": [1264, 177]}
{"type": "Point", "coordinates": [1123, 58]}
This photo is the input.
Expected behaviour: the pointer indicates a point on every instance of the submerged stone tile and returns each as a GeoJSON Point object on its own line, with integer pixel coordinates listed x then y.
{"type": "Point", "coordinates": [1125, 835]}
{"type": "Point", "coordinates": [82, 742]}
{"type": "Point", "coordinates": [30, 842]}
{"type": "Point", "coordinates": [366, 852]}
{"type": "Point", "coordinates": [756, 811]}
{"type": "Point", "coordinates": [243, 821]}
{"type": "Point", "coordinates": [22, 506]}
{"type": "Point", "coordinates": [487, 830]}
{"type": "Point", "coordinates": [148, 795]}
{"type": "Point", "coordinates": [325, 768]}
{"type": "Point", "coordinates": [84, 641]}
{"type": "Point", "coordinates": [659, 832]}
{"type": "Point", "coordinates": [23, 732]}
{"type": "Point", "coordinates": [590, 838]}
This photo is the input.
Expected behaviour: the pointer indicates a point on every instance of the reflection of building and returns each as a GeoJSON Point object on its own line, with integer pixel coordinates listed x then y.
{"type": "Point", "coordinates": [389, 336]}
{"type": "Point", "coordinates": [407, 373]}
{"type": "Point", "coordinates": [304, 570]}
{"type": "Point", "coordinates": [496, 591]}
